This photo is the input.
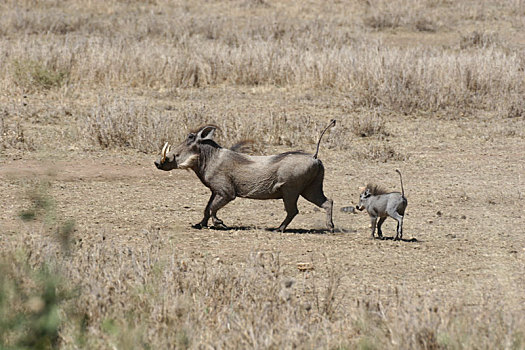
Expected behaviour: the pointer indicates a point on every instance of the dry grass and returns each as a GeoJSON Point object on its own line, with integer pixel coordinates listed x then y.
{"type": "Point", "coordinates": [369, 124]}
{"type": "Point", "coordinates": [31, 75]}
{"type": "Point", "coordinates": [417, 15]}
{"type": "Point", "coordinates": [12, 134]}
{"type": "Point", "coordinates": [372, 73]}
{"type": "Point", "coordinates": [379, 152]}
{"type": "Point", "coordinates": [109, 294]}
{"type": "Point", "coordinates": [184, 49]}
{"type": "Point", "coordinates": [127, 123]}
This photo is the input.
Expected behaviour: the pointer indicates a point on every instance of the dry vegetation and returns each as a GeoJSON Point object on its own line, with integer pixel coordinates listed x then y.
{"type": "Point", "coordinates": [406, 80]}
{"type": "Point", "coordinates": [104, 293]}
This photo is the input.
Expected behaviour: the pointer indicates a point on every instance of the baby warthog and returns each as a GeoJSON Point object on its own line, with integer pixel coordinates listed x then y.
{"type": "Point", "coordinates": [229, 174]}
{"type": "Point", "coordinates": [379, 203]}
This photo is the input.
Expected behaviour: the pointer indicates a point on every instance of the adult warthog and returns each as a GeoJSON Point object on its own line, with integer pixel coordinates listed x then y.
{"type": "Point", "coordinates": [229, 174]}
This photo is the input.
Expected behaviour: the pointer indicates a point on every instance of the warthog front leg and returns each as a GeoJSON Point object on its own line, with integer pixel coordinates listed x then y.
{"type": "Point", "coordinates": [218, 202]}
{"type": "Point", "coordinates": [373, 220]}
{"type": "Point", "coordinates": [379, 223]}
{"type": "Point", "coordinates": [215, 203]}
{"type": "Point", "coordinates": [207, 214]}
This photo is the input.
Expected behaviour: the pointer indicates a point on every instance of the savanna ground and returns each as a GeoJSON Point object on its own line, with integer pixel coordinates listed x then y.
{"type": "Point", "coordinates": [96, 245]}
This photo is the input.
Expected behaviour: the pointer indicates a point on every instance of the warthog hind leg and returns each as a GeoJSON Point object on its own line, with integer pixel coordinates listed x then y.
{"type": "Point", "coordinates": [314, 194]}
{"type": "Point", "coordinates": [290, 204]}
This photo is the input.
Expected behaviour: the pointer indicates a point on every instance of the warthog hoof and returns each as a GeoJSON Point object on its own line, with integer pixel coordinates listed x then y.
{"type": "Point", "coordinates": [198, 226]}
{"type": "Point", "coordinates": [220, 226]}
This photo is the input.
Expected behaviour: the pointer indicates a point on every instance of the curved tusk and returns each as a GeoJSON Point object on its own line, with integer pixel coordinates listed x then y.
{"type": "Point", "coordinates": [163, 153]}
{"type": "Point", "coordinates": [169, 149]}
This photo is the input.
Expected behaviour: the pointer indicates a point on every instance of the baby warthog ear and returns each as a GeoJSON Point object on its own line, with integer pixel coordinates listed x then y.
{"type": "Point", "coordinates": [206, 133]}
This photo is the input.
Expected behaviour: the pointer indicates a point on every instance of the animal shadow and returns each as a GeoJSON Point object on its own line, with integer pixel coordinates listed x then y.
{"type": "Point", "coordinates": [232, 228]}
{"type": "Point", "coordinates": [409, 240]}
{"type": "Point", "coordinates": [315, 231]}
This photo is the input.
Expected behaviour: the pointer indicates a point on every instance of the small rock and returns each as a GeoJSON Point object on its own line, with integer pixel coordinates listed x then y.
{"type": "Point", "coordinates": [305, 266]}
{"type": "Point", "coordinates": [348, 209]}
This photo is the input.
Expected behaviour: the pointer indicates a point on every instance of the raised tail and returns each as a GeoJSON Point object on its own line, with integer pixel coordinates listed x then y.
{"type": "Point", "coordinates": [332, 123]}
{"type": "Point", "coordinates": [401, 179]}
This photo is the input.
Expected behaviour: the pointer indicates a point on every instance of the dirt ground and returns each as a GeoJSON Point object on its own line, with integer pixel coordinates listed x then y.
{"type": "Point", "coordinates": [464, 227]}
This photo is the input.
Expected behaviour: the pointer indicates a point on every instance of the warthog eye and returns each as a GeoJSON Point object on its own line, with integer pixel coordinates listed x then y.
{"type": "Point", "coordinates": [191, 138]}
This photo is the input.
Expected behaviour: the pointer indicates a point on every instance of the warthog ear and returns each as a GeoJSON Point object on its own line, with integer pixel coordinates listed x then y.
{"type": "Point", "coordinates": [206, 133]}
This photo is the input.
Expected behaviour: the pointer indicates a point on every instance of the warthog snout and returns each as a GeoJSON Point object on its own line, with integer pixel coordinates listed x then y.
{"type": "Point", "coordinates": [158, 164]}
{"type": "Point", "coordinates": [167, 160]}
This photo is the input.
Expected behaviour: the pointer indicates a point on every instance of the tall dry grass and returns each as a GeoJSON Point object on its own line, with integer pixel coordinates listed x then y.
{"type": "Point", "coordinates": [162, 47]}
{"type": "Point", "coordinates": [121, 123]}
{"type": "Point", "coordinates": [372, 73]}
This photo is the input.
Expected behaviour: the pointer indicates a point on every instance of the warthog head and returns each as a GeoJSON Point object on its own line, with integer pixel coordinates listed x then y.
{"type": "Point", "coordinates": [185, 155]}
{"type": "Point", "coordinates": [367, 193]}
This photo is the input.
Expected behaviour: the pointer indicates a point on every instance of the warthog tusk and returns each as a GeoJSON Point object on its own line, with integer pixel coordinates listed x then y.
{"type": "Point", "coordinates": [163, 153]}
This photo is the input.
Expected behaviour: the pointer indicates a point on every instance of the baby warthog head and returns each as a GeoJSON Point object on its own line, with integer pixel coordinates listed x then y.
{"type": "Point", "coordinates": [186, 155]}
{"type": "Point", "coordinates": [363, 199]}
{"type": "Point", "coordinates": [367, 192]}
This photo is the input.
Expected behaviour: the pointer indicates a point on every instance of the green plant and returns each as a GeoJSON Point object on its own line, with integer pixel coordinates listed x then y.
{"type": "Point", "coordinates": [32, 74]}
{"type": "Point", "coordinates": [30, 299]}
{"type": "Point", "coordinates": [34, 294]}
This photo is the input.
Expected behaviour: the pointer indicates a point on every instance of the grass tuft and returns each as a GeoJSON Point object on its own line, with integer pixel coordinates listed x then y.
{"type": "Point", "coordinates": [33, 75]}
{"type": "Point", "coordinates": [370, 124]}
{"type": "Point", "coordinates": [12, 135]}
{"type": "Point", "coordinates": [379, 152]}
{"type": "Point", "coordinates": [478, 39]}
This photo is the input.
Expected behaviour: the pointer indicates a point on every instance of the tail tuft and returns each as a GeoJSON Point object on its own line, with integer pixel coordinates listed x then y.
{"type": "Point", "coordinates": [401, 180]}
